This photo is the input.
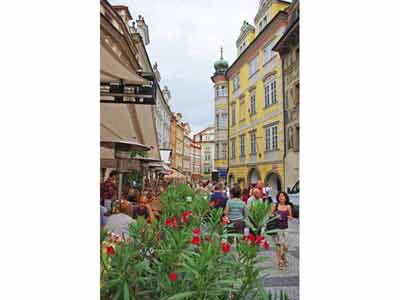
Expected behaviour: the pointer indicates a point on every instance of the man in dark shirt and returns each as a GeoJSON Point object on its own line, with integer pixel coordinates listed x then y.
{"type": "Point", "coordinates": [218, 198]}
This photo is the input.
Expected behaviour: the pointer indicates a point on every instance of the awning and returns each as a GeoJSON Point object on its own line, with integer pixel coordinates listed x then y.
{"type": "Point", "coordinates": [175, 175]}
{"type": "Point", "coordinates": [111, 70]}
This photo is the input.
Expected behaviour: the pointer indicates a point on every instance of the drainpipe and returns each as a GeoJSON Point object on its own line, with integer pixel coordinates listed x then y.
{"type": "Point", "coordinates": [229, 141]}
{"type": "Point", "coordinates": [284, 122]}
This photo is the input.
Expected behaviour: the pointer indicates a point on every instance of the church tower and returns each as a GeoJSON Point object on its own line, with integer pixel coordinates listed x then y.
{"type": "Point", "coordinates": [221, 117]}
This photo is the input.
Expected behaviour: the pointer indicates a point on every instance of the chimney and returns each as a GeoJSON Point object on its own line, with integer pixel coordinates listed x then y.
{"type": "Point", "coordinates": [166, 94]}
{"type": "Point", "coordinates": [156, 72]}
{"type": "Point", "coordinates": [143, 30]}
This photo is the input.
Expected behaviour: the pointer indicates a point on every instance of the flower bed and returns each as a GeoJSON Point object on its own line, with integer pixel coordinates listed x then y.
{"type": "Point", "coordinates": [188, 254]}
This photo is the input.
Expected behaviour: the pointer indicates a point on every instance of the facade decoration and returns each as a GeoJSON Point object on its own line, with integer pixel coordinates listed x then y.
{"type": "Point", "coordinates": [256, 116]}
{"type": "Point", "coordinates": [288, 48]}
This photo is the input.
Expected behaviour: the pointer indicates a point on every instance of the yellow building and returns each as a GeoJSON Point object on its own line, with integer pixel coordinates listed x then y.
{"type": "Point", "coordinates": [256, 115]}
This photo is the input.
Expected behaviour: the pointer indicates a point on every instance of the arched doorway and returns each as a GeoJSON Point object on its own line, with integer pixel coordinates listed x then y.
{"type": "Point", "coordinates": [254, 176]}
{"type": "Point", "coordinates": [231, 180]}
{"type": "Point", "coordinates": [274, 181]}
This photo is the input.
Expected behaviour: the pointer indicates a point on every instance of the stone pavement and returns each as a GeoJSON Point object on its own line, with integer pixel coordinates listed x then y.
{"type": "Point", "coordinates": [287, 280]}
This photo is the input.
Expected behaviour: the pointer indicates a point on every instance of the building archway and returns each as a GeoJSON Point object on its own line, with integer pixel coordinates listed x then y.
{"type": "Point", "coordinates": [274, 181]}
{"type": "Point", "coordinates": [253, 176]}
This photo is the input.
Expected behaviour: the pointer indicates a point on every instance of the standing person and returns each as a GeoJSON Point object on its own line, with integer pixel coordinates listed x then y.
{"type": "Point", "coordinates": [284, 210]}
{"type": "Point", "coordinates": [235, 209]}
{"type": "Point", "coordinates": [109, 190]}
{"type": "Point", "coordinates": [245, 195]}
{"type": "Point", "coordinates": [257, 196]}
{"type": "Point", "coordinates": [218, 198]}
{"type": "Point", "coordinates": [268, 192]}
{"type": "Point", "coordinates": [260, 186]}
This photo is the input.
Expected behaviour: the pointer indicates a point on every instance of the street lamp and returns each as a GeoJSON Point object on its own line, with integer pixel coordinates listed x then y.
{"type": "Point", "coordinates": [122, 152]}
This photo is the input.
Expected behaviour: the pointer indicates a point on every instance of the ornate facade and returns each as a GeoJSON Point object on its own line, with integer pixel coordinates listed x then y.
{"type": "Point", "coordinates": [221, 117]}
{"type": "Point", "coordinates": [256, 127]}
{"type": "Point", "coordinates": [288, 47]}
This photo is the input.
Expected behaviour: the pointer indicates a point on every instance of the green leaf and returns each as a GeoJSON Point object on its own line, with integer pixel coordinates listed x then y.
{"type": "Point", "coordinates": [126, 291]}
{"type": "Point", "coordinates": [181, 295]}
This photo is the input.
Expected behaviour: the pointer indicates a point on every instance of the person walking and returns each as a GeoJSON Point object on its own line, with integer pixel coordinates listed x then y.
{"type": "Point", "coordinates": [268, 192]}
{"type": "Point", "coordinates": [245, 195]}
{"type": "Point", "coordinates": [257, 196]}
{"type": "Point", "coordinates": [235, 209]}
{"type": "Point", "coordinates": [284, 211]}
{"type": "Point", "coordinates": [218, 198]}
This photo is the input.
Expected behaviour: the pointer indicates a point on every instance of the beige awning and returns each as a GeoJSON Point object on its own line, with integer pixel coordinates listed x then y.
{"type": "Point", "coordinates": [113, 70]}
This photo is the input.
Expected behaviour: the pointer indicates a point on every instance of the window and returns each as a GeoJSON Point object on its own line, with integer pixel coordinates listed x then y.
{"type": "Point", "coordinates": [267, 52]}
{"type": "Point", "coordinates": [242, 149]}
{"type": "Point", "coordinates": [216, 151]}
{"type": "Point", "coordinates": [253, 104]}
{"type": "Point", "coordinates": [253, 66]}
{"type": "Point", "coordinates": [233, 148]}
{"type": "Point", "coordinates": [236, 82]}
{"type": "Point", "coordinates": [233, 114]}
{"type": "Point", "coordinates": [224, 151]}
{"type": "Point", "coordinates": [270, 93]}
{"type": "Point", "coordinates": [271, 138]}
{"type": "Point", "coordinates": [223, 91]}
{"type": "Point", "coordinates": [253, 144]}
{"type": "Point", "coordinates": [217, 121]}
{"type": "Point", "coordinates": [223, 121]}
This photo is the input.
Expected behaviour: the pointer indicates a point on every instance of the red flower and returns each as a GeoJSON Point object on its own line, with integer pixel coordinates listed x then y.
{"type": "Point", "coordinates": [225, 220]}
{"type": "Point", "coordinates": [171, 223]}
{"type": "Point", "coordinates": [251, 237]}
{"type": "Point", "coordinates": [259, 239]}
{"type": "Point", "coordinates": [196, 240]}
{"type": "Point", "coordinates": [265, 245]}
{"type": "Point", "coordinates": [196, 231]}
{"type": "Point", "coordinates": [226, 247]}
{"type": "Point", "coordinates": [110, 250]}
{"type": "Point", "coordinates": [184, 216]}
{"type": "Point", "coordinates": [172, 277]}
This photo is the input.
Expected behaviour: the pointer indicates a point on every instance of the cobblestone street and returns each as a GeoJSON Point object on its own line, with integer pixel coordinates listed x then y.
{"type": "Point", "coordinates": [287, 280]}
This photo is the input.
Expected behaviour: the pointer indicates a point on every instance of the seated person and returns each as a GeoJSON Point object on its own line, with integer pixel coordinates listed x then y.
{"type": "Point", "coordinates": [133, 195]}
{"type": "Point", "coordinates": [143, 210]}
{"type": "Point", "coordinates": [119, 221]}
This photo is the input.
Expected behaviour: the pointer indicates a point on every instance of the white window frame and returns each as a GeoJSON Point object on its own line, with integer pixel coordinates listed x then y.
{"type": "Point", "coordinates": [268, 54]}
{"type": "Point", "coordinates": [236, 82]}
{"type": "Point", "coordinates": [271, 138]}
{"type": "Point", "coordinates": [224, 151]}
{"type": "Point", "coordinates": [253, 100]}
{"type": "Point", "coordinates": [242, 146]}
{"type": "Point", "coordinates": [253, 66]}
{"type": "Point", "coordinates": [270, 93]}
{"type": "Point", "coordinates": [253, 143]}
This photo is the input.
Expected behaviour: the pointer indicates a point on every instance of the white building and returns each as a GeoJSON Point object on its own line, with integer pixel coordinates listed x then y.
{"type": "Point", "coordinates": [161, 110]}
{"type": "Point", "coordinates": [206, 139]}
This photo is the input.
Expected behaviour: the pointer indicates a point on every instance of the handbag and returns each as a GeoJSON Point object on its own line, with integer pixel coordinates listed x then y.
{"type": "Point", "coordinates": [273, 224]}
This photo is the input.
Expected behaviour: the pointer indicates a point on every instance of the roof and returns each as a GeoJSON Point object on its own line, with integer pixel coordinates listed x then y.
{"type": "Point", "coordinates": [123, 7]}
{"type": "Point", "coordinates": [204, 130]}
{"type": "Point", "coordinates": [287, 32]}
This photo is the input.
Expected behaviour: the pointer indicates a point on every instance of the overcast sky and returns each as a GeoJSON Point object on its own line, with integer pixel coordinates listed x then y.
{"type": "Point", "coordinates": [185, 38]}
